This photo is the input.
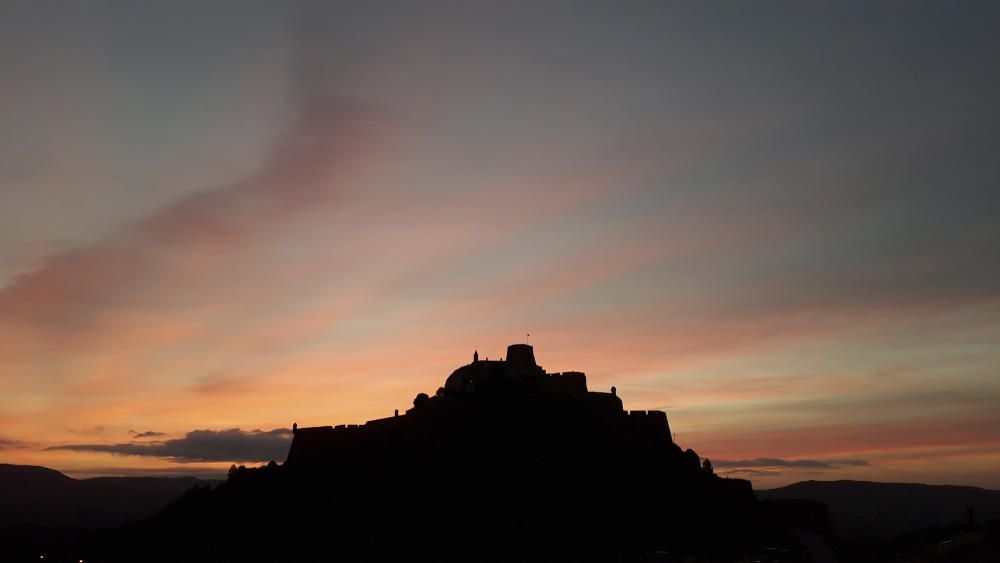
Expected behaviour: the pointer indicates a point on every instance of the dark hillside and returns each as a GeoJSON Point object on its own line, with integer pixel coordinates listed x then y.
{"type": "Point", "coordinates": [44, 511]}
{"type": "Point", "coordinates": [38, 496]}
{"type": "Point", "coordinates": [861, 508]}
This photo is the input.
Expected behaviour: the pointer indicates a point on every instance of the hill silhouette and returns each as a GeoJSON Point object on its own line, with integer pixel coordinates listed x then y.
{"type": "Point", "coordinates": [504, 462]}
{"type": "Point", "coordinates": [39, 496]}
{"type": "Point", "coordinates": [861, 509]}
{"type": "Point", "coordinates": [878, 522]}
{"type": "Point", "coordinates": [42, 507]}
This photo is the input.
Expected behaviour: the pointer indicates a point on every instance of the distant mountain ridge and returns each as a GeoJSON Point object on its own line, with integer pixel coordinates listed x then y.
{"type": "Point", "coordinates": [865, 509]}
{"type": "Point", "coordinates": [34, 496]}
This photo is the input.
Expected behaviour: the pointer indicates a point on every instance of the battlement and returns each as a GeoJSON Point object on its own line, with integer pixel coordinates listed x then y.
{"type": "Point", "coordinates": [566, 382]}
{"type": "Point", "coordinates": [326, 442]}
{"type": "Point", "coordinates": [652, 424]}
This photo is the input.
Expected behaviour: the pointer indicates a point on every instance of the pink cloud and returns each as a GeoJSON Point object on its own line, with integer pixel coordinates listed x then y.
{"type": "Point", "coordinates": [81, 296]}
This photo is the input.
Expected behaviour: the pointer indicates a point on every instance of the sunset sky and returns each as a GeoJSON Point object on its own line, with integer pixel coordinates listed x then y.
{"type": "Point", "coordinates": [779, 222]}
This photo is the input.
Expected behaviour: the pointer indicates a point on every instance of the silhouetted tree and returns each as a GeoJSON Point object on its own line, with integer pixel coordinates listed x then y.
{"type": "Point", "coordinates": [707, 466]}
{"type": "Point", "coordinates": [420, 400]}
{"type": "Point", "coordinates": [692, 458]}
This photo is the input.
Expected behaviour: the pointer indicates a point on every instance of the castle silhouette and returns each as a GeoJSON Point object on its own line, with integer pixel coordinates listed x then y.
{"type": "Point", "coordinates": [505, 462]}
{"type": "Point", "coordinates": [517, 381]}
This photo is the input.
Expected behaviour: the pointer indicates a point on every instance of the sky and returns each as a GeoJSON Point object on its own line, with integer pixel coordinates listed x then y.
{"type": "Point", "coordinates": [777, 221]}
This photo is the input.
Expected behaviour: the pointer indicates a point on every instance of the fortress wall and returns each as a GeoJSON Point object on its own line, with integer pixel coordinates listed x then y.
{"type": "Point", "coordinates": [606, 403]}
{"type": "Point", "coordinates": [329, 443]}
{"type": "Point", "coordinates": [569, 382]}
{"type": "Point", "coordinates": [652, 424]}
{"type": "Point", "coordinates": [326, 442]}
{"type": "Point", "coordinates": [306, 442]}
{"type": "Point", "coordinates": [658, 419]}
{"type": "Point", "coordinates": [577, 380]}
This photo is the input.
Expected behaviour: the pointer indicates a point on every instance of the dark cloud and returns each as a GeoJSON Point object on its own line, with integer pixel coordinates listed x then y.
{"type": "Point", "coordinates": [8, 444]}
{"type": "Point", "coordinates": [204, 445]}
{"type": "Point", "coordinates": [773, 462]}
{"type": "Point", "coordinates": [751, 472]}
{"type": "Point", "coordinates": [146, 434]}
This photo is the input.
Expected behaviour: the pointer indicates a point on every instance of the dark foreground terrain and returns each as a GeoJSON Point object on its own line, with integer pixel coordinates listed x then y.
{"type": "Point", "coordinates": [905, 521]}
{"type": "Point", "coordinates": [43, 510]}
{"type": "Point", "coordinates": [870, 521]}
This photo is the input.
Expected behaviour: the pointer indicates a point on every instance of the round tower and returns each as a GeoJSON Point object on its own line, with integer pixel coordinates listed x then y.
{"type": "Point", "coordinates": [521, 356]}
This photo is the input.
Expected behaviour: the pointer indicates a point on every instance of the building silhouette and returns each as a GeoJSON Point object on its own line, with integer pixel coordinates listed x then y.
{"type": "Point", "coordinates": [516, 382]}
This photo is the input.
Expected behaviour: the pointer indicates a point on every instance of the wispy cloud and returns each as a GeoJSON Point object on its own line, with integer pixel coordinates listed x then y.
{"type": "Point", "coordinates": [774, 462]}
{"type": "Point", "coordinates": [74, 288]}
{"type": "Point", "coordinates": [818, 442]}
{"type": "Point", "coordinates": [92, 431]}
{"type": "Point", "coordinates": [751, 473]}
{"type": "Point", "coordinates": [147, 434]}
{"type": "Point", "coordinates": [9, 444]}
{"type": "Point", "coordinates": [217, 384]}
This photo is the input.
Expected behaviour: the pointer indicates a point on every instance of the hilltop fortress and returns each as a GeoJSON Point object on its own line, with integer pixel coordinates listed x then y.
{"type": "Point", "coordinates": [505, 462]}
{"type": "Point", "coordinates": [516, 387]}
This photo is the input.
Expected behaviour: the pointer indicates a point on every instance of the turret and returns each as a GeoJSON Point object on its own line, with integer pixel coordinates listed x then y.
{"type": "Point", "coordinates": [521, 356]}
